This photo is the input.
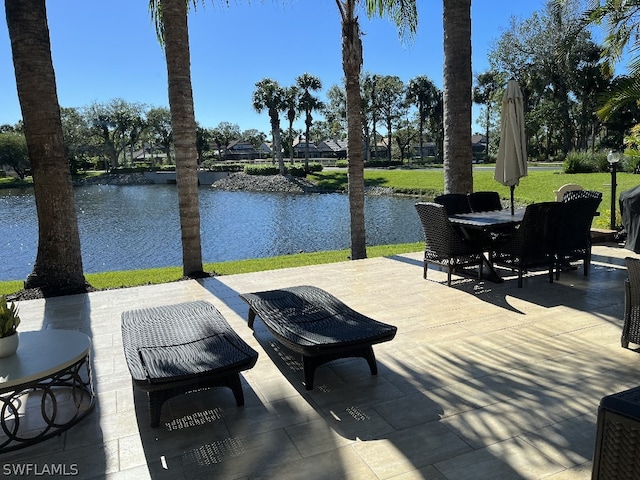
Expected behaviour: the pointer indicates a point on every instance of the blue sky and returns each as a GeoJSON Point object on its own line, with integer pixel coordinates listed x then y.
{"type": "Point", "coordinates": [107, 50]}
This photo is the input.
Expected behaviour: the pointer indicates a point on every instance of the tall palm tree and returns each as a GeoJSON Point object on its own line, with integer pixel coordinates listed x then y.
{"type": "Point", "coordinates": [405, 15]}
{"type": "Point", "coordinates": [622, 20]}
{"type": "Point", "coordinates": [457, 83]}
{"type": "Point", "coordinates": [171, 24]}
{"type": "Point", "coordinates": [58, 265]}
{"type": "Point", "coordinates": [308, 83]}
{"type": "Point", "coordinates": [484, 93]}
{"type": "Point", "coordinates": [269, 95]}
{"type": "Point", "coordinates": [290, 106]}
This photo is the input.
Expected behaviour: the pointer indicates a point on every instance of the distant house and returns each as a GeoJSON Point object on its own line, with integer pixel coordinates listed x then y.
{"type": "Point", "coordinates": [300, 146]}
{"type": "Point", "coordinates": [333, 148]}
{"type": "Point", "coordinates": [429, 149]}
{"type": "Point", "coordinates": [264, 150]}
{"type": "Point", "coordinates": [240, 150]}
{"type": "Point", "coordinates": [149, 155]}
{"type": "Point", "coordinates": [478, 143]}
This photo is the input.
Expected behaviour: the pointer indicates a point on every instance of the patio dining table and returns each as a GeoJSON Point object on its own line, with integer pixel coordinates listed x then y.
{"type": "Point", "coordinates": [488, 223]}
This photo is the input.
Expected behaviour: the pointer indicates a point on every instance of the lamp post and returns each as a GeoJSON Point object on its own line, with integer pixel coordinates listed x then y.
{"type": "Point", "coordinates": [613, 158]}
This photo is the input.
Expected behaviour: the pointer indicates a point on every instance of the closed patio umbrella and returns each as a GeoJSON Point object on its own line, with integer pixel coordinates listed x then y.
{"type": "Point", "coordinates": [511, 164]}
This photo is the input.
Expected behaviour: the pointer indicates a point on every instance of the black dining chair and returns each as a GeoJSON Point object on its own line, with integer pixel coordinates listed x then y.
{"type": "Point", "coordinates": [454, 203]}
{"type": "Point", "coordinates": [533, 243]}
{"type": "Point", "coordinates": [484, 201]}
{"type": "Point", "coordinates": [574, 231]}
{"type": "Point", "coordinates": [631, 325]}
{"type": "Point", "coordinates": [576, 194]}
{"type": "Point", "coordinates": [443, 244]}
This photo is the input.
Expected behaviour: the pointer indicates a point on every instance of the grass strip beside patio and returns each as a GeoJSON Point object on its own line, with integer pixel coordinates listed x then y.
{"type": "Point", "coordinates": [153, 276]}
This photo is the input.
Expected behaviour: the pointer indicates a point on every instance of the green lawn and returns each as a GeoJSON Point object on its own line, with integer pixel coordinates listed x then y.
{"type": "Point", "coordinates": [538, 186]}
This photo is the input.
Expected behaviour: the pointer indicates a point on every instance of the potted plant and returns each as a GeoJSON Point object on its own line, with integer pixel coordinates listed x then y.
{"type": "Point", "coordinates": [9, 321]}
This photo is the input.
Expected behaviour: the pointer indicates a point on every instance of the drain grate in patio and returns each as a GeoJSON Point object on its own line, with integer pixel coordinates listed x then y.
{"type": "Point", "coordinates": [213, 453]}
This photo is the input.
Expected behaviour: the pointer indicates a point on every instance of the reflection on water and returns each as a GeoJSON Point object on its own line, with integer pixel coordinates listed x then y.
{"type": "Point", "coordinates": [134, 227]}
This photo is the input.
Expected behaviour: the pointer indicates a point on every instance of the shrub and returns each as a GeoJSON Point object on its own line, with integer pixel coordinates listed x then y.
{"type": "Point", "coordinates": [225, 167]}
{"type": "Point", "coordinates": [585, 162]}
{"type": "Point", "coordinates": [261, 169]}
{"type": "Point", "coordinates": [383, 163]}
{"type": "Point", "coordinates": [297, 170]}
{"type": "Point", "coordinates": [630, 162]}
{"type": "Point", "coordinates": [342, 163]}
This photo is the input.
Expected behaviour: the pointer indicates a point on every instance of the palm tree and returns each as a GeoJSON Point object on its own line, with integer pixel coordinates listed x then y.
{"type": "Point", "coordinates": [405, 15]}
{"type": "Point", "coordinates": [58, 265]}
{"type": "Point", "coordinates": [457, 83]}
{"type": "Point", "coordinates": [308, 83]}
{"type": "Point", "coordinates": [484, 94]}
{"type": "Point", "coordinates": [171, 24]}
{"type": "Point", "coordinates": [290, 105]}
{"type": "Point", "coordinates": [622, 20]}
{"type": "Point", "coordinates": [270, 95]}
{"type": "Point", "coordinates": [423, 93]}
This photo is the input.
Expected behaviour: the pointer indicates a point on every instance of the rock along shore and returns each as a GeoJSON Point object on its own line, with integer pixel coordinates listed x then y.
{"type": "Point", "coordinates": [234, 182]}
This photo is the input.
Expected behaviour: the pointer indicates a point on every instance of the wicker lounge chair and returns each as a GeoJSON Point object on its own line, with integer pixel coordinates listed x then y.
{"type": "Point", "coordinates": [631, 325]}
{"type": "Point", "coordinates": [444, 245]}
{"type": "Point", "coordinates": [318, 326]}
{"type": "Point", "coordinates": [533, 243]}
{"type": "Point", "coordinates": [180, 348]}
{"type": "Point", "coordinates": [485, 201]}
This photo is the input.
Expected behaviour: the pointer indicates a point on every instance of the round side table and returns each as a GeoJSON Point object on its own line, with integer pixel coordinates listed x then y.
{"type": "Point", "coordinates": [45, 388]}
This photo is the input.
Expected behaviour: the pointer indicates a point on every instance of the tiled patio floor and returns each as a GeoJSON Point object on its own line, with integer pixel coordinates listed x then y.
{"type": "Point", "coordinates": [483, 381]}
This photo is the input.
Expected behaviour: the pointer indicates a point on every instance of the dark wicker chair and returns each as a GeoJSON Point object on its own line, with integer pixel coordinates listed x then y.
{"type": "Point", "coordinates": [485, 201]}
{"type": "Point", "coordinates": [576, 194]}
{"type": "Point", "coordinates": [631, 325]}
{"type": "Point", "coordinates": [617, 450]}
{"type": "Point", "coordinates": [443, 244]}
{"type": "Point", "coordinates": [574, 231]}
{"type": "Point", "coordinates": [454, 203]}
{"type": "Point", "coordinates": [532, 245]}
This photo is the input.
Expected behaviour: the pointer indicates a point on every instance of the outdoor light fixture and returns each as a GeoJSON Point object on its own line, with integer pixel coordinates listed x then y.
{"type": "Point", "coordinates": [613, 158]}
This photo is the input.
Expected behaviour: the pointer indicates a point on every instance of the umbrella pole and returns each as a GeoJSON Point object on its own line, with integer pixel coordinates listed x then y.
{"type": "Point", "coordinates": [512, 189]}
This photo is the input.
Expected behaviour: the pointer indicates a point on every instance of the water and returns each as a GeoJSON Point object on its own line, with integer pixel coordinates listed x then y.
{"type": "Point", "coordinates": [137, 227]}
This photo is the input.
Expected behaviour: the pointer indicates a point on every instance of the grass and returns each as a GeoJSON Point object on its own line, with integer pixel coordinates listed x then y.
{"type": "Point", "coordinates": [153, 276]}
{"type": "Point", "coordinates": [538, 186]}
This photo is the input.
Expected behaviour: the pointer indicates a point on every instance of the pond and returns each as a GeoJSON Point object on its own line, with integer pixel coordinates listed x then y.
{"type": "Point", "coordinates": [137, 227]}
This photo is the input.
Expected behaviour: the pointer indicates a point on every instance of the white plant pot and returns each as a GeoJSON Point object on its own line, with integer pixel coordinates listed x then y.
{"type": "Point", "coordinates": [8, 345]}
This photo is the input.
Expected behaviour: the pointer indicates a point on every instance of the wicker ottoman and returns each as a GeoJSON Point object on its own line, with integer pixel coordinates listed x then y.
{"type": "Point", "coordinates": [180, 348]}
{"type": "Point", "coordinates": [617, 452]}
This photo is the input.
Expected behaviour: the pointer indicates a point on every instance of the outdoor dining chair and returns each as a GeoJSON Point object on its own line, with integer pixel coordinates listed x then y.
{"type": "Point", "coordinates": [574, 231]}
{"type": "Point", "coordinates": [484, 201]}
{"type": "Point", "coordinates": [576, 194]}
{"type": "Point", "coordinates": [532, 244]}
{"type": "Point", "coordinates": [631, 325]}
{"type": "Point", "coordinates": [443, 244]}
{"type": "Point", "coordinates": [454, 203]}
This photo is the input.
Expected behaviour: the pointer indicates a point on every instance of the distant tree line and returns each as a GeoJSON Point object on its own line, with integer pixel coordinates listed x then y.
{"type": "Point", "coordinates": [118, 133]}
{"type": "Point", "coordinates": [564, 79]}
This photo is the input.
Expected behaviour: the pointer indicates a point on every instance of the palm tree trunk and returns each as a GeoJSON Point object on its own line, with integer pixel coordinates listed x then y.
{"type": "Point", "coordinates": [352, 65]}
{"type": "Point", "coordinates": [174, 13]}
{"type": "Point", "coordinates": [457, 83]}
{"type": "Point", "coordinates": [58, 265]}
